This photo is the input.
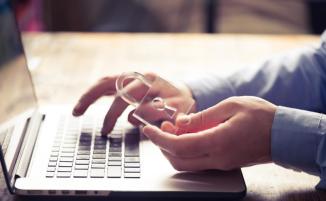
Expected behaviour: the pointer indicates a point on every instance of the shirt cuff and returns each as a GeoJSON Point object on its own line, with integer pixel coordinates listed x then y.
{"type": "Point", "coordinates": [208, 90]}
{"type": "Point", "coordinates": [295, 138]}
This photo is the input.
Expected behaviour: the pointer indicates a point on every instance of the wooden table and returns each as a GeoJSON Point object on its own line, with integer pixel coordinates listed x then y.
{"type": "Point", "coordinates": [65, 64]}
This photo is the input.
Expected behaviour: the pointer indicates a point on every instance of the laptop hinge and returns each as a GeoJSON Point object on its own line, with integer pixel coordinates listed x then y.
{"type": "Point", "coordinates": [25, 152]}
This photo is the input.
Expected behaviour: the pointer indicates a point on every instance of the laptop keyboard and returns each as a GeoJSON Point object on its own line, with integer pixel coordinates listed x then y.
{"type": "Point", "coordinates": [79, 151]}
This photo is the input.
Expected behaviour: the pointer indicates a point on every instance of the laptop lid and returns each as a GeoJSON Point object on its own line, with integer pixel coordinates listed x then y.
{"type": "Point", "coordinates": [18, 100]}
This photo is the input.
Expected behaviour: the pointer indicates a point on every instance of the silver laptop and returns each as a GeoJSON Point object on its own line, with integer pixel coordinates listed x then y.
{"type": "Point", "coordinates": [46, 151]}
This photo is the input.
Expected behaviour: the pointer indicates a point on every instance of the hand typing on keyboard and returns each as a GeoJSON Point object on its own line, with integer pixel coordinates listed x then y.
{"type": "Point", "coordinates": [107, 87]}
{"type": "Point", "coordinates": [204, 140]}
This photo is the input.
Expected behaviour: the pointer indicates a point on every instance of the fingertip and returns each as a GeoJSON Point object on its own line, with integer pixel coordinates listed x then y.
{"type": "Point", "coordinates": [77, 111]}
{"type": "Point", "coordinates": [183, 120]}
{"type": "Point", "coordinates": [133, 120]}
{"type": "Point", "coordinates": [104, 131]}
{"type": "Point", "coordinates": [168, 127]}
{"type": "Point", "coordinates": [148, 130]}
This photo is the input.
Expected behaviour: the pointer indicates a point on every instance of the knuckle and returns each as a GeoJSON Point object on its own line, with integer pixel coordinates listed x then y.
{"type": "Point", "coordinates": [150, 75]}
{"type": "Point", "coordinates": [106, 78]}
{"type": "Point", "coordinates": [234, 102]}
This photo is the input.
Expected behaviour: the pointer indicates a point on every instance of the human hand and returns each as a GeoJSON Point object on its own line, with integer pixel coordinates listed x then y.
{"type": "Point", "coordinates": [234, 133]}
{"type": "Point", "coordinates": [106, 87]}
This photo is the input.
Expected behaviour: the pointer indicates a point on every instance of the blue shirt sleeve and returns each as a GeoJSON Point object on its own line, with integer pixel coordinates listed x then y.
{"type": "Point", "coordinates": [298, 141]}
{"type": "Point", "coordinates": [296, 80]}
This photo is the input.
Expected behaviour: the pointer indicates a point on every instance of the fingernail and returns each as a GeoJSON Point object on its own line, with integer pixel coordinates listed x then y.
{"type": "Point", "coordinates": [184, 119]}
{"type": "Point", "coordinates": [146, 129]}
{"type": "Point", "coordinates": [77, 108]}
{"type": "Point", "coordinates": [143, 129]}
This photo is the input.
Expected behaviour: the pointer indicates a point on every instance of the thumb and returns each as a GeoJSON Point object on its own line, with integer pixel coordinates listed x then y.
{"type": "Point", "coordinates": [204, 119]}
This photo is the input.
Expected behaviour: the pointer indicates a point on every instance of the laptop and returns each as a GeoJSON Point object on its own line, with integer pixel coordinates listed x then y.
{"type": "Point", "coordinates": [46, 151]}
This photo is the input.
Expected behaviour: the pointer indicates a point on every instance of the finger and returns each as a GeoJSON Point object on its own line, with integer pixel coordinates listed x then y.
{"type": "Point", "coordinates": [105, 86]}
{"type": "Point", "coordinates": [168, 127]}
{"type": "Point", "coordinates": [150, 113]}
{"type": "Point", "coordinates": [205, 119]}
{"type": "Point", "coordinates": [116, 109]}
{"type": "Point", "coordinates": [132, 119]}
{"type": "Point", "coordinates": [135, 89]}
{"type": "Point", "coordinates": [188, 164]}
{"type": "Point", "coordinates": [190, 145]}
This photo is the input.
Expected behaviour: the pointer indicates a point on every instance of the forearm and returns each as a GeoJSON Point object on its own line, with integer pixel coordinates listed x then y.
{"type": "Point", "coordinates": [294, 80]}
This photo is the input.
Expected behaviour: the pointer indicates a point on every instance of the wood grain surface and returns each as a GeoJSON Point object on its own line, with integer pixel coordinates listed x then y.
{"type": "Point", "coordinates": [64, 65]}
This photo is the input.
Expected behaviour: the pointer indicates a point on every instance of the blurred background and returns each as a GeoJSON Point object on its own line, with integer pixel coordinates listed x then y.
{"type": "Point", "coordinates": [200, 16]}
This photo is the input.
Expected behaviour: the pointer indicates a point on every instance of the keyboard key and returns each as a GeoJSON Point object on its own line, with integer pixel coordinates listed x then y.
{"type": "Point", "coordinates": [115, 144]}
{"type": "Point", "coordinates": [56, 145]}
{"type": "Point", "coordinates": [114, 171]}
{"type": "Point", "coordinates": [131, 170]}
{"type": "Point", "coordinates": [131, 159]}
{"type": "Point", "coordinates": [132, 175]}
{"type": "Point", "coordinates": [82, 143]}
{"type": "Point", "coordinates": [132, 145]}
{"type": "Point", "coordinates": [132, 131]}
{"type": "Point", "coordinates": [81, 167]}
{"type": "Point", "coordinates": [83, 152]}
{"type": "Point", "coordinates": [82, 157]}
{"type": "Point", "coordinates": [132, 165]}
{"type": "Point", "coordinates": [82, 162]}
{"type": "Point", "coordinates": [67, 155]}
{"type": "Point", "coordinates": [101, 138]}
{"type": "Point", "coordinates": [115, 138]}
{"type": "Point", "coordinates": [65, 164]}
{"type": "Point", "coordinates": [70, 142]}
{"type": "Point", "coordinates": [50, 169]}
{"type": "Point", "coordinates": [100, 142]}
{"type": "Point", "coordinates": [53, 159]}
{"type": "Point", "coordinates": [115, 154]}
{"type": "Point", "coordinates": [114, 163]}
{"type": "Point", "coordinates": [85, 134]}
{"type": "Point", "coordinates": [99, 156]}
{"type": "Point", "coordinates": [84, 148]}
{"type": "Point", "coordinates": [98, 166]}
{"type": "Point", "coordinates": [52, 164]}
{"type": "Point", "coordinates": [98, 161]}
{"type": "Point", "coordinates": [49, 174]}
{"type": "Point", "coordinates": [66, 159]}
{"type": "Point", "coordinates": [115, 149]}
{"type": "Point", "coordinates": [80, 173]}
{"type": "Point", "coordinates": [99, 151]}
{"type": "Point", "coordinates": [70, 138]}
{"type": "Point", "coordinates": [64, 169]}
{"type": "Point", "coordinates": [114, 158]}
{"type": "Point", "coordinates": [68, 150]}
{"type": "Point", "coordinates": [55, 149]}
{"type": "Point", "coordinates": [63, 174]}
{"type": "Point", "coordinates": [97, 173]}
{"type": "Point", "coordinates": [101, 147]}
{"type": "Point", "coordinates": [69, 146]}
{"type": "Point", "coordinates": [54, 154]}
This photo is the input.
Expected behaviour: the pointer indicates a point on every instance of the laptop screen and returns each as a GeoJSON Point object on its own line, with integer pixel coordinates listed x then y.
{"type": "Point", "coordinates": [16, 87]}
